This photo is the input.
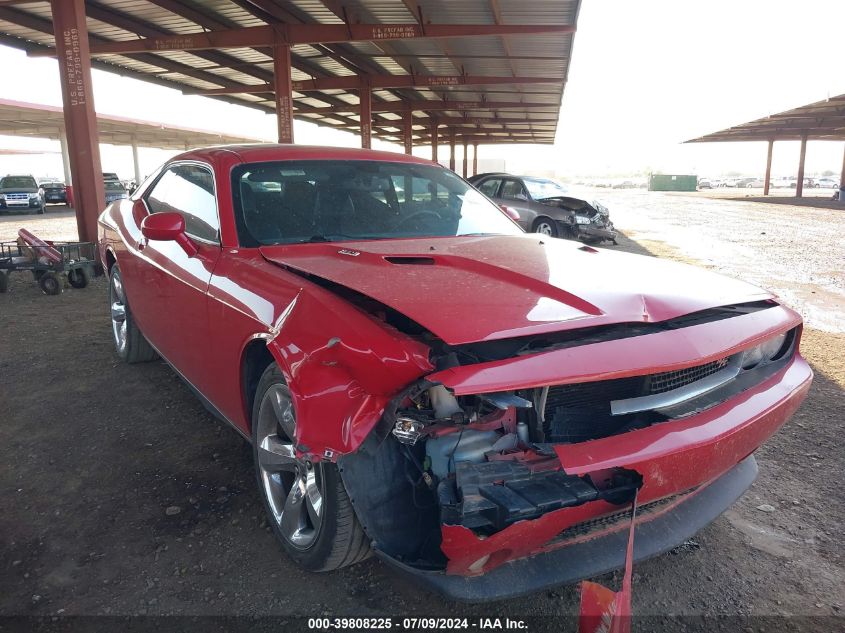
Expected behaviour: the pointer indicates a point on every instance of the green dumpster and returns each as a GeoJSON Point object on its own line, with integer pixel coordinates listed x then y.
{"type": "Point", "coordinates": [669, 182]}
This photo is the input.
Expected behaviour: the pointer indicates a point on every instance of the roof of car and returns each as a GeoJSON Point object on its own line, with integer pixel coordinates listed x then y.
{"type": "Point", "coordinates": [260, 152]}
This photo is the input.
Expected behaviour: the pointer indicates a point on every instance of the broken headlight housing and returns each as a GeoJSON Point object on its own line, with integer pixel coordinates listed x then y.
{"type": "Point", "coordinates": [769, 349]}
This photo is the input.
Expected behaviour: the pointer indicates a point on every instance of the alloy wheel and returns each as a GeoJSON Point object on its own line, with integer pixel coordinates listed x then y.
{"type": "Point", "coordinates": [117, 298]}
{"type": "Point", "coordinates": [545, 228]}
{"type": "Point", "coordinates": [294, 487]}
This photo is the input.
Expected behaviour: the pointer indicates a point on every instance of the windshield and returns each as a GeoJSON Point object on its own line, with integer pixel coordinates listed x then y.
{"type": "Point", "coordinates": [290, 202]}
{"type": "Point", "coordinates": [541, 188]}
{"type": "Point", "coordinates": [22, 182]}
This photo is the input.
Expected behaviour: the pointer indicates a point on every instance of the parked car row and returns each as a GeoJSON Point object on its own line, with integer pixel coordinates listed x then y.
{"type": "Point", "coordinates": [775, 183]}
{"type": "Point", "coordinates": [540, 205]}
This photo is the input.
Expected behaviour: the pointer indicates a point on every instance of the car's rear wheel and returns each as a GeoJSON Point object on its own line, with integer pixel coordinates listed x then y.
{"type": "Point", "coordinates": [546, 226]}
{"type": "Point", "coordinates": [306, 502]}
{"type": "Point", "coordinates": [129, 342]}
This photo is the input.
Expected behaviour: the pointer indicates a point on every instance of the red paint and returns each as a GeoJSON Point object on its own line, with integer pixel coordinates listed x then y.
{"type": "Point", "coordinates": [40, 247]}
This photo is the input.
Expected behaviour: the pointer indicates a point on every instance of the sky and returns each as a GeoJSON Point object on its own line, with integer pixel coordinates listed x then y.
{"type": "Point", "coordinates": [645, 76]}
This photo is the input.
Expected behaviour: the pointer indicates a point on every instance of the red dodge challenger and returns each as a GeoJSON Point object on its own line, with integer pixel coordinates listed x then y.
{"type": "Point", "coordinates": [421, 379]}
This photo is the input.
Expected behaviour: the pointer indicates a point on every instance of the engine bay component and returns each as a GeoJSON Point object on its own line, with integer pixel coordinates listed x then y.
{"type": "Point", "coordinates": [408, 430]}
{"type": "Point", "coordinates": [490, 496]}
{"type": "Point", "coordinates": [448, 451]}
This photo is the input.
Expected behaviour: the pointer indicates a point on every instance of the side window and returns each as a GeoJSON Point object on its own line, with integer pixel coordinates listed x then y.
{"type": "Point", "coordinates": [514, 190]}
{"type": "Point", "coordinates": [189, 191]}
{"type": "Point", "coordinates": [490, 187]}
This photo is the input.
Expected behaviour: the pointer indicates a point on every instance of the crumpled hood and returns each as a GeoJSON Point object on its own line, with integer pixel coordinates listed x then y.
{"type": "Point", "coordinates": [469, 289]}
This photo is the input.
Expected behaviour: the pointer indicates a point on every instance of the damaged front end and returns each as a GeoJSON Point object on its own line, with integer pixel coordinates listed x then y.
{"type": "Point", "coordinates": [591, 221]}
{"type": "Point", "coordinates": [508, 470]}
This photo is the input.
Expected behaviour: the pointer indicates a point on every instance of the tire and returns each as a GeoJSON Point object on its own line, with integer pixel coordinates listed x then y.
{"type": "Point", "coordinates": [545, 226]}
{"type": "Point", "coordinates": [78, 277]}
{"type": "Point", "coordinates": [50, 283]}
{"type": "Point", "coordinates": [129, 342]}
{"type": "Point", "coordinates": [4, 281]}
{"type": "Point", "coordinates": [306, 504]}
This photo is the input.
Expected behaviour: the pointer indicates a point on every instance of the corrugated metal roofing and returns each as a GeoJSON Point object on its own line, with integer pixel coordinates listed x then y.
{"type": "Point", "coordinates": [823, 120]}
{"type": "Point", "coordinates": [29, 26]}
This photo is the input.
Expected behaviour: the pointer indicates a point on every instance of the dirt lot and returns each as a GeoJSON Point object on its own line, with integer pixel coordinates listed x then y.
{"type": "Point", "coordinates": [94, 453]}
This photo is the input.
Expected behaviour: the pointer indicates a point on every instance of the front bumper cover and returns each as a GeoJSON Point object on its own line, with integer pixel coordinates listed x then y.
{"type": "Point", "coordinates": [596, 556]}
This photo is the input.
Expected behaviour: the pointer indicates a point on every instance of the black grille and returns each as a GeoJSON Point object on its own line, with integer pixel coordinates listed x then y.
{"type": "Point", "coordinates": [669, 380]}
{"type": "Point", "coordinates": [580, 412]}
{"type": "Point", "coordinates": [617, 518]}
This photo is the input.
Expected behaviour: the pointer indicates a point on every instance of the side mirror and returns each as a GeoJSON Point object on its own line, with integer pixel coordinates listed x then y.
{"type": "Point", "coordinates": [168, 227]}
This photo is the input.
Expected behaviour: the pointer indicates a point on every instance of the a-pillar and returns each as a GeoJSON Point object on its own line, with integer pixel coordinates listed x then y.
{"type": "Point", "coordinates": [408, 131]}
{"type": "Point", "coordinates": [284, 92]}
{"type": "Point", "coordinates": [799, 186]}
{"type": "Point", "coordinates": [475, 159]}
{"type": "Point", "coordinates": [466, 158]}
{"type": "Point", "coordinates": [71, 31]}
{"type": "Point", "coordinates": [452, 150]}
{"type": "Point", "coordinates": [365, 96]}
{"type": "Point", "coordinates": [65, 158]}
{"type": "Point", "coordinates": [768, 168]}
{"type": "Point", "coordinates": [136, 163]}
{"type": "Point", "coordinates": [434, 126]}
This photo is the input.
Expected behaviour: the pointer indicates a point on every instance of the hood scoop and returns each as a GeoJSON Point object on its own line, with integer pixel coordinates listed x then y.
{"type": "Point", "coordinates": [409, 260]}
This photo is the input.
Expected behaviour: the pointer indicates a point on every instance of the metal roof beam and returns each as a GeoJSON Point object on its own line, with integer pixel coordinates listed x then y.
{"type": "Point", "coordinates": [378, 82]}
{"type": "Point", "coordinates": [316, 34]}
{"type": "Point", "coordinates": [433, 106]}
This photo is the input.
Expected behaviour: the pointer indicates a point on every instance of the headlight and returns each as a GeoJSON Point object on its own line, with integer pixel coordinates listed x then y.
{"type": "Point", "coordinates": [582, 219]}
{"type": "Point", "coordinates": [774, 345]}
{"type": "Point", "coordinates": [765, 351]}
{"type": "Point", "coordinates": [34, 195]}
{"type": "Point", "coordinates": [2, 196]}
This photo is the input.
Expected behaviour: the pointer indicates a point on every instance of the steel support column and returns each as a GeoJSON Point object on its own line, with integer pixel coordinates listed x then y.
{"type": "Point", "coordinates": [768, 168]}
{"type": "Point", "coordinates": [434, 125]}
{"type": "Point", "coordinates": [466, 158]}
{"type": "Point", "coordinates": [65, 158]}
{"type": "Point", "coordinates": [408, 131]}
{"type": "Point", "coordinates": [365, 96]}
{"type": "Point", "coordinates": [284, 94]}
{"type": "Point", "coordinates": [135, 162]}
{"type": "Point", "coordinates": [452, 150]}
{"type": "Point", "coordinates": [842, 175]}
{"type": "Point", "coordinates": [89, 196]}
{"type": "Point", "coordinates": [799, 186]}
{"type": "Point", "coordinates": [475, 159]}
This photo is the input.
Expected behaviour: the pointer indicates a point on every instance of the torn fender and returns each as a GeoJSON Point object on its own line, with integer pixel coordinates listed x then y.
{"type": "Point", "coordinates": [340, 384]}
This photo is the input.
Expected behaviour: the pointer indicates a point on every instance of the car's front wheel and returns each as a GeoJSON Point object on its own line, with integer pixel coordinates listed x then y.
{"type": "Point", "coordinates": [545, 226]}
{"type": "Point", "coordinates": [129, 342]}
{"type": "Point", "coordinates": [306, 502]}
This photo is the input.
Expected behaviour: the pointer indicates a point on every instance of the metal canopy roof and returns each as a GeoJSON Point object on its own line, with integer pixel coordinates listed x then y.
{"type": "Point", "coordinates": [823, 120]}
{"type": "Point", "coordinates": [29, 119]}
{"type": "Point", "coordinates": [440, 75]}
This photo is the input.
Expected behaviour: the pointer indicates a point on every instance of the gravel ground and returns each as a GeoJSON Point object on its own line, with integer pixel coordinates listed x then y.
{"type": "Point", "coordinates": [795, 251]}
{"type": "Point", "coordinates": [122, 496]}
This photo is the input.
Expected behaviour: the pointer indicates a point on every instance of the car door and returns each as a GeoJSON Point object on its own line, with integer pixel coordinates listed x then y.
{"type": "Point", "coordinates": [514, 194]}
{"type": "Point", "coordinates": [173, 294]}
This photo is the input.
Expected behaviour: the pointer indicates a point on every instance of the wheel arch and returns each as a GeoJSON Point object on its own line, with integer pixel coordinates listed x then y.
{"type": "Point", "coordinates": [255, 358]}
